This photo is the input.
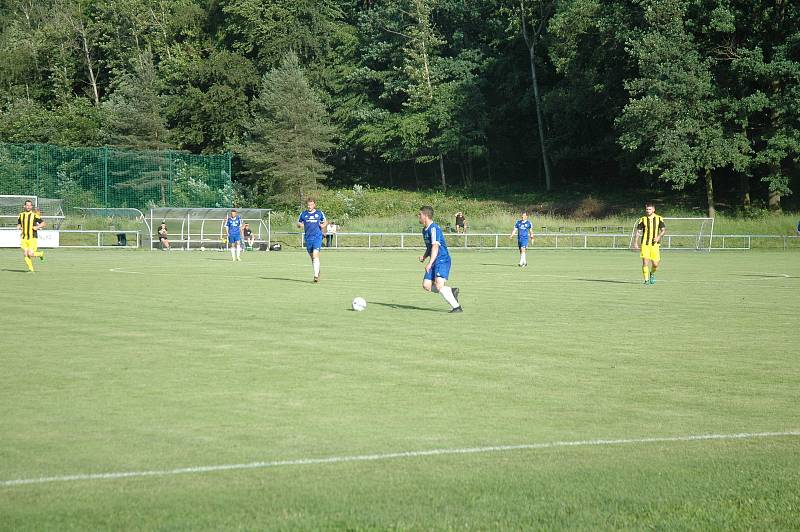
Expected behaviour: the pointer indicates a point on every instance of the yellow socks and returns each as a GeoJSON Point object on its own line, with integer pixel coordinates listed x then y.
{"type": "Point", "coordinates": [646, 273]}
{"type": "Point", "coordinates": [38, 253]}
{"type": "Point", "coordinates": [29, 263]}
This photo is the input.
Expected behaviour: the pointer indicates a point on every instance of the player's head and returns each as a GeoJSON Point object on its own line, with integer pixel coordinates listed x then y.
{"type": "Point", "coordinates": [311, 203]}
{"type": "Point", "coordinates": [524, 214]}
{"type": "Point", "coordinates": [234, 213]}
{"type": "Point", "coordinates": [28, 206]}
{"type": "Point", "coordinates": [425, 214]}
{"type": "Point", "coordinates": [649, 208]}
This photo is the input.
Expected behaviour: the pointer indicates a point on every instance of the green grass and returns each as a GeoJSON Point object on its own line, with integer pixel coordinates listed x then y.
{"type": "Point", "coordinates": [140, 361]}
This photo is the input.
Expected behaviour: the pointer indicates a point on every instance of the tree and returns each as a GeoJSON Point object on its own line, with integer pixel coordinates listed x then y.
{"type": "Point", "coordinates": [533, 18]}
{"type": "Point", "coordinates": [135, 110]}
{"type": "Point", "coordinates": [288, 135]}
{"type": "Point", "coordinates": [675, 116]}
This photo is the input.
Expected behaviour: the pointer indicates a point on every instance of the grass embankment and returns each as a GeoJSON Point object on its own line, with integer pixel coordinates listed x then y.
{"type": "Point", "coordinates": [382, 210]}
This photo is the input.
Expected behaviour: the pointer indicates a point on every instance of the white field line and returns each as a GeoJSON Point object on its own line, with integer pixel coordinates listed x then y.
{"type": "Point", "coordinates": [391, 456]}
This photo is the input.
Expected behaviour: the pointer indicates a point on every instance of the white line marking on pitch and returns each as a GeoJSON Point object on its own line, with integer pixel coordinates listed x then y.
{"type": "Point", "coordinates": [390, 456]}
{"type": "Point", "coordinates": [120, 270]}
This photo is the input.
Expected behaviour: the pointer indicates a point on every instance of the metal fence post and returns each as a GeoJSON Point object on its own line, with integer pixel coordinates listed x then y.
{"type": "Point", "coordinates": [105, 176]}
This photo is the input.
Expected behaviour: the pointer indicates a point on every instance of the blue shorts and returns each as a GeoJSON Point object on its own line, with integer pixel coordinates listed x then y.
{"type": "Point", "coordinates": [522, 243]}
{"type": "Point", "coordinates": [440, 268]}
{"type": "Point", "coordinates": [233, 239]}
{"type": "Point", "coordinates": [315, 244]}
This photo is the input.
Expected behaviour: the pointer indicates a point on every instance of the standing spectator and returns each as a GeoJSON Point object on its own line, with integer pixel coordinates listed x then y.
{"type": "Point", "coordinates": [798, 228]}
{"type": "Point", "coordinates": [163, 236]}
{"type": "Point", "coordinates": [461, 222]}
{"type": "Point", "coordinates": [331, 233]}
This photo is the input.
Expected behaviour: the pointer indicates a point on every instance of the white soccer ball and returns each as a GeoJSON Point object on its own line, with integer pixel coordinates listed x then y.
{"type": "Point", "coordinates": [359, 304]}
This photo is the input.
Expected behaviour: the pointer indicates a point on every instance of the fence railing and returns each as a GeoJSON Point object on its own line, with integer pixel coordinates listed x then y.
{"type": "Point", "coordinates": [99, 238]}
{"type": "Point", "coordinates": [610, 241]}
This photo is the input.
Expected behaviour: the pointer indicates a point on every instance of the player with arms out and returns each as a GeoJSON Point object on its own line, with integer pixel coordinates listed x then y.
{"type": "Point", "coordinates": [313, 223]}
{"type": "Point", "coordinates": [649, 231]}
{"type": "Point", "coordinates": [29, 223]}
{"type": "Point", "coordinates": [233, 228]}
{"type": "Point", "coordinates": [437, 270]}
{"type": "Point", "coordinates": [523, 230]}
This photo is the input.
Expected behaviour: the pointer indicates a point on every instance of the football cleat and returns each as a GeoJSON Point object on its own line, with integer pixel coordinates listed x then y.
{"type": "Point", "coordinates": [457, 309]}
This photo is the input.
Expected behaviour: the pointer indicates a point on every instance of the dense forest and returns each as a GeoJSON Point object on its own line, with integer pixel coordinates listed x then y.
{"type": "Point", "coordinates": [701, 95]}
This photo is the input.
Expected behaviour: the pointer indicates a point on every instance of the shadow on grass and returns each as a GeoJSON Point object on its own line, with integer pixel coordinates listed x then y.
{"type": "Point", "coordinates": [496, 264]}
{"type": "Point", "coordinates": [398, 306]}
{"type": "Point", "coordinates": [15, 271]}
{"type": "Point", "coordinates": [287, 279]}
{"type": "Point", "coordinates": [608, 281]}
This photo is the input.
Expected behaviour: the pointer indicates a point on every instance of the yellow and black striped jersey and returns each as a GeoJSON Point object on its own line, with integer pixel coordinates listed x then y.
{"type": "Point", "coordinates": [27, 220]}
{"type": "Point", "coordinates": [650, 226]}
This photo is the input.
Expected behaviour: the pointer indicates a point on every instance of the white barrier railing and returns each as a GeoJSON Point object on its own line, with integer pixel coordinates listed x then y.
{"type": "Point", "coordinates": [99, 238]}
{"type": "Point", "coordinates": [598, 241]}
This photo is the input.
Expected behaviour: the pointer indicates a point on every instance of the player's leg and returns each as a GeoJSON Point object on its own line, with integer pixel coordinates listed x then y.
{"type": "Point", "coordinates": [655, 260]}
{"type": "Point", "coordinates": [646, 270]}
{"type": "Point", "coordinates": [239, 249]}
{"type": "Point", "coordinates": [26, 255]}
{"type": "Point", "coordinates": [446, 292]}
{"type": "Point", "coordinates": [315, 261]}
{"type": "Point", "coordinates": [35, 249]}
{"type": "Point", "coordinates": [523, 249]}
{"type": "Point", "coordinates": [427, 285]}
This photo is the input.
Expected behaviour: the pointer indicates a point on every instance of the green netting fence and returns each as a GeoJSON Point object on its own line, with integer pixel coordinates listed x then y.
{"type": "Point", "coordinates": [116, 177]}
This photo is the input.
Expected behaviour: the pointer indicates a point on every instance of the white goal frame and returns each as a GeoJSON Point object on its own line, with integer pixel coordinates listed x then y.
{"type": "Point", "coordinates": [57, 215]}
{"type": "Point", "coordinates": [666, 242]}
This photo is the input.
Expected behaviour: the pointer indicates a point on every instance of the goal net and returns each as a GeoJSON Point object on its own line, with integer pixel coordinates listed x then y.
{"type": "Point", "coordinates": [11, 205]}
{"type": "Point", "coordinates": [685, 233]}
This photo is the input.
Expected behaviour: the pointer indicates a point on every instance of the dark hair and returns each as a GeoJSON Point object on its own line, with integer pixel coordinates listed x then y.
{"type": "Point", "coordinates": [310, 199]}
{"type": "Point", "coordinates": [28, 201]}
{"type": "Point", "coordinates": [427, 210]}
{"type": "Point", "coordinates": [524, 211]}
{"type": "Point", "coordinates": [649, 204]}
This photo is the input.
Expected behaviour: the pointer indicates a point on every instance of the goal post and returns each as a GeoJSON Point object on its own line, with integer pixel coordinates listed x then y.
{"type": "Point", "coordinates": [686, 233]}
{"type": "Point", "coordinates": [11, 205]}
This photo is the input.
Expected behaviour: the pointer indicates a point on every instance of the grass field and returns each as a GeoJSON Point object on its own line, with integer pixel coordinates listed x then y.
{"type": "Point", "coordinates": [123, 361]}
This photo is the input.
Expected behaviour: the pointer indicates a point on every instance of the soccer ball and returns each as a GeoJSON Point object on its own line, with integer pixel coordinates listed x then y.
{"type": "Point", "coordinates": [359, 304]}
{"type": "Point", "coordinates": [202, 248]}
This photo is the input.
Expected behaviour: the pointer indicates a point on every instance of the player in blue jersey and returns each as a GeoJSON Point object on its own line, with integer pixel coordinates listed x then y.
{"type": "Point", "coordinates": [233, 228]}
{"type": "Point", "coordinates": [523, 230]}
{"type": "Point", "coordinates": [313, 223]}
{"type": "Point", "coordinates": [438, 268]}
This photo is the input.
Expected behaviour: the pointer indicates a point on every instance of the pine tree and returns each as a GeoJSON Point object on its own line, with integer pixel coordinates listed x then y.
{"type": "Point", "coordinates": [288, 135]}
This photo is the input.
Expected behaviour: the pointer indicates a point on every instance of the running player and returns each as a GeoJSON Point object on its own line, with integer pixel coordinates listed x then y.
{"type": "Point", "coordinates": [29, 223]}
{"type": "Point", "coordinates": [523, 231]}
{"type": "Point", "coordinates": [233, 227]}
{"type": "Point", "coordinates": [438, 268]}
{"type": "Point", "coordinates": [313, 223]}
{"type": "Point", "coordinates": [649, 232]}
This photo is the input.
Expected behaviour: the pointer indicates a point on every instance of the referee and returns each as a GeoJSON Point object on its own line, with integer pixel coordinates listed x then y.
{"type": "Point", "coordinates": [29, 223]}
